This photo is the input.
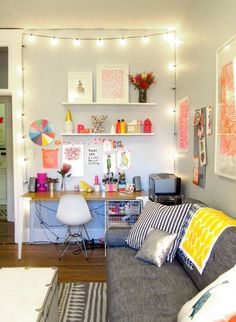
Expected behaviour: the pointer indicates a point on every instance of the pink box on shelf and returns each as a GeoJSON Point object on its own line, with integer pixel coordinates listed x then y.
{"type": "Point", "coordinates": [111, 187]}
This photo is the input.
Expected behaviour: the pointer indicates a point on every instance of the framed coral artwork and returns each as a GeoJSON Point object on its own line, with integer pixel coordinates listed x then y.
{"type": "Point", "coordinates": [112, 84]}
{"type": "Point", "coordinates": [225, 148]}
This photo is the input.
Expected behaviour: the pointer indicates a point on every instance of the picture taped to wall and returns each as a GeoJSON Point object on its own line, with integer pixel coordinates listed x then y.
{"type": "Point", "coordinates": [112, 84]}
{"type": "Point", "coordinates": [199, 148]}
{"type": "Point", "coordinates": [123, 159]}
{"type": "Point", "coordinates": [109, 163]}
{"type": "Point", "coordinates": [93, 155]}
{"type": "Point", "coordinates": [73, 154]}
{"type": "Point", "coordinates": [80, 87]}
{"type": "Point", "coordinates": [41, 132]}
{"type": "Point", "coordinates": [50, 158]}
{"type": "Point", "coordinates": [183, 123]}
{"type": "Point", "coordinates": [225, 147]}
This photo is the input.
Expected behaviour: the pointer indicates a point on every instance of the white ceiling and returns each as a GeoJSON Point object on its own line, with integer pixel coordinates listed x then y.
{"type": "Point", "coordinates": [93, 14]}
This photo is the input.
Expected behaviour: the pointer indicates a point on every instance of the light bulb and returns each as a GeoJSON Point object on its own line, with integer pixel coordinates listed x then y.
{"type": "Point", "coordinates": [123, 41]}
{"type": "Point", "coordinates": [20, 93]}
{"type": "Point", "coordinates": [54, 41]}
{"type": "Point", "coordinates": [77, 42]}
{"type": "Point", "coordinates": [31, 38]}
{"type": "Point", "coordinates": [19, 138]}
{"type": "Point", "coordinates": [169, 37]}
{"type": "Point", "coordinates": [19, 115]}
{"type": "Point", "coordinates": [171, 66]}
{"type": "Point", "coordinates": [227, 47]}
{"type": "Point", "coordinates": [145, 39]}
{"type": "Point", "coordinates": [171, 110]}
{"type": "Point", "coordinates": [99, 42]}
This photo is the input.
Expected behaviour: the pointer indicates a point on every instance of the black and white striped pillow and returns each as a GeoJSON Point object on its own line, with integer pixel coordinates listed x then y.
{"type": "Point", "coordinates": [158, 216]}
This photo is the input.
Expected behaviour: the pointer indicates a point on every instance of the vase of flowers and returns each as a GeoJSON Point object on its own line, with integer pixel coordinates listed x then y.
{"type": "Point", "coordinates": [142, 82]}
{"type": "Point", "coordinates": [63, 172]}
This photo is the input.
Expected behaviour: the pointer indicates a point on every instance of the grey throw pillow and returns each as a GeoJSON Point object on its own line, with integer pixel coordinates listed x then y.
{"type": "Point", "coordinates": [156, 247]}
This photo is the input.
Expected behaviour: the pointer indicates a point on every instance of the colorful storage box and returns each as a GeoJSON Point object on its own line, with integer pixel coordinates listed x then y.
{"type": "Point", "coordinates": [134, 128]}
{"type": "Point", "coordinates": [111, 187]}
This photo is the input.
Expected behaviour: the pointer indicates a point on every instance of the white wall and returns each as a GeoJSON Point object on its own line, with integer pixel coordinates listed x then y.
{"type": "Point", "coordinates": [207, 26]}
{"type": "Point", "coordinates": [46, 69]}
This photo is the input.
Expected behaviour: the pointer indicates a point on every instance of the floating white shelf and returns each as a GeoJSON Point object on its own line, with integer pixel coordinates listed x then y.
{"type": "Point", "coordinates": [112, 104]}
{"type": "Point", "coordinates": [107, 134]}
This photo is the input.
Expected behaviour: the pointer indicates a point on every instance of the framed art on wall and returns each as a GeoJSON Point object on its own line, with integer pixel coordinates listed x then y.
{"type": "Point", "coordinates": [183, 120]}
{"type": "Point", "coordinates": [225, 148]}
{"type": "Point", "coordinates": [80, 87]}
{"type": "Point", "coordinates": [112, 84]}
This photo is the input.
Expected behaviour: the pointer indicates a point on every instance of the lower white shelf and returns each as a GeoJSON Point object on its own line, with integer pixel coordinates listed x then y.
{"type": "Point", "coordinates": [107, 134]}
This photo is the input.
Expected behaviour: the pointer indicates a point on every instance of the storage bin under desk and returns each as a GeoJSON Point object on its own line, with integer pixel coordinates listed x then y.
{"type": "Point", "coordinates": [29, 294]}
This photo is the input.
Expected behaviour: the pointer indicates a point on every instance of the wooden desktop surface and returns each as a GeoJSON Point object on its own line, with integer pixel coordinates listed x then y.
{"type": "Point", "coordinates": [89, 196]}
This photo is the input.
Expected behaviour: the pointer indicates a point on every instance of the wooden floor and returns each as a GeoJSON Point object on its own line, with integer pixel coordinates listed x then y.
{"type": "Point", "coordinates": [73, 268]}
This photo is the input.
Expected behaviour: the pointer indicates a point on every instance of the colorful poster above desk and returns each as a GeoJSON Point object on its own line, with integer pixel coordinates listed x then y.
{"type": "Point", "coordinates": [93, 156]}
{"type": "Point", "coordinates": [183, 133]}
{"type": "Point", "coordinates": [109, 163]}
{"type": "Point", "coordinates": [73, 154]}
{"type": "Point", "coordinates": [50, 159]}
{"type": "Point", "coordinates": [123, 159]}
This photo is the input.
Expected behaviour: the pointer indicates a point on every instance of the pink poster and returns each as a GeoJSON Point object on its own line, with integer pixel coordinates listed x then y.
{"type": "Point", "coordinates": [50, 159]}
{"type": "Point", "coordinates": [183, 137]}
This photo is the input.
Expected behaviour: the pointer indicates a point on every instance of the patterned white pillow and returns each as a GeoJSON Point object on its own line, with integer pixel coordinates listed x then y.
{"type": "Point", "coordinates": [166, 218]}
{"type": "Point", "coordinates": [215, 303]}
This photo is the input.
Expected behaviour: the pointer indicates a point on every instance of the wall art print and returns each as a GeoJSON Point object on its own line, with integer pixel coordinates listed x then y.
{"type": "Point", "coordinates": [112, 84]}
{"type": "Point", "coordinates": [123, 159]}
{"type": "Point", "coordinates": [73, 154]}
{"type": "Point", "coordinates": [225, 151]}
{"type": "Point", "coordinates": [183, 121]}
{"type": "Point", "coordinates": [50, 158]}
{"type": "Point", "coordinates": [41, 132]}
{"type": "Point", "coordinates": [80, 87]}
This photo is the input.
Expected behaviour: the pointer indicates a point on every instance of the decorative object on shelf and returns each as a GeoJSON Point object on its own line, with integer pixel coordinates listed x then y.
{"type": "Point", "coordinates": [147, 126]}
{"type": "Point", "coordinates": [69, 125]}
{"type": "Point", "coordinates": [80, 87]}
{"type": "Point", "coordinates": [113, 129]}
{"type": "Point", "coordinates": [97, 123]}
{"type": "Point", "coordinates": [63, 172]}
{"type": "Point", "coordinates": [82, 129]}
{"type": "Point", "coordinates": [41, 182]}
{"type": "Point", "coordinates": [41, 132]}
{"type": "Point", "coordinates": [134, 126]}
{"type": "Point", "coordinates": [142, 82]}
{"type": "Point", "coordinates": [112, 84]}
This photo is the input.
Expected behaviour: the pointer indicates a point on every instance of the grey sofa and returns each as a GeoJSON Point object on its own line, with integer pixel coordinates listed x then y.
{"type": "Point", "coordinates": [141, 292]}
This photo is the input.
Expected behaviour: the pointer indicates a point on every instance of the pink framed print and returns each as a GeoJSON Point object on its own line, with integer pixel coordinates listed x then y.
{"type": "Point", "coordinates": [112, 84]}
{"type": "Point", "coordinates": [183, 125]}
{"type": "Point", "coordinates": [225, 147]}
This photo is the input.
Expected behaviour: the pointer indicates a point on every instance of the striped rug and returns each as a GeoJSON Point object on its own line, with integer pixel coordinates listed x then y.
{"type": "Point", "coordinates": [82, 302]}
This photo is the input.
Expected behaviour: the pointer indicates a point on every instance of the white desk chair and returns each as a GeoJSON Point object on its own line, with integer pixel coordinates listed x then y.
{"type": "Point", "coordinates": [73, 211]}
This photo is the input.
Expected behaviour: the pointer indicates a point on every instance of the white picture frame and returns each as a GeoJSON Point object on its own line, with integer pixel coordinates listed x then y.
{"type": "Point", "coordinates": [112, 84]}
{"type": "Point", "coordinates": [80, 87]}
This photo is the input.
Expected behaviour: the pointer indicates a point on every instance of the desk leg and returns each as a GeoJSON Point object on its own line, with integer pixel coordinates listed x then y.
{"type": "Point", "coordinates": [31, 223]}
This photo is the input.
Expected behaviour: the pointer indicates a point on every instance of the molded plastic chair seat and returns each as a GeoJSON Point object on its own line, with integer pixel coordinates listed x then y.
{"type": "Point", "coordinates": [74, 212]}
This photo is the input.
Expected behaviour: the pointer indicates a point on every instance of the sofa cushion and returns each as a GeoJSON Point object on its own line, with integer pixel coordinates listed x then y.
{"type": "Point", "coordinates": [138, 291]}
{"type": "Point", "coordinates": [156, 247]}
{"type": "Point", "coordinates": [158, 216]}
{"type": "Point", "coordinates": [223, 257]}
{"type": "Point", "coordinates": [216, 302]}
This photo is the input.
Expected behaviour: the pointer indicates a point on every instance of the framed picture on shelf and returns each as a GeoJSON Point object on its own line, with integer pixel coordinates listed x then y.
{"type": "Point", "coordinates": [225, 147]}
{"type": "Point", "coordinates": [80, 87]}
{"type": "Point", "coordinates": [112, 84]}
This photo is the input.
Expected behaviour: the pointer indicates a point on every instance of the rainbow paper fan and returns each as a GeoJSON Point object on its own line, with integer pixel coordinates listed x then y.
{"type": "Point", "coordinates": [41, 132]}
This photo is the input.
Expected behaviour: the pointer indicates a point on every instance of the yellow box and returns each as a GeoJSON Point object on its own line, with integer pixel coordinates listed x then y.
{"type": "Point", "coordinates": [134, 128]}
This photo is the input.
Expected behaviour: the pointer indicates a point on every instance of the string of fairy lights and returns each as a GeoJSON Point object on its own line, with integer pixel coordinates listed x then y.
{"type": "Point", "coordinates": [31, 36]}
